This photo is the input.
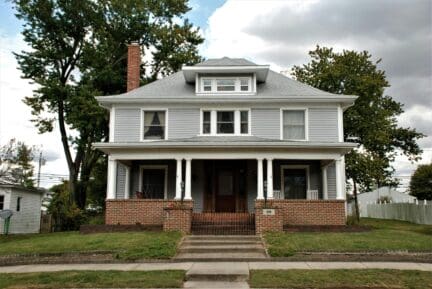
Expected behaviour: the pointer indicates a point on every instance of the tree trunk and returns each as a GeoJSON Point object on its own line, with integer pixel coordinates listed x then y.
{"type": "Point", "coordinates": [357, 211]}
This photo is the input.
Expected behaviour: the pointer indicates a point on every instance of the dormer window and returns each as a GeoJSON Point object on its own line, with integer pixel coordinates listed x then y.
{"type": "Point", "coordinates": [226, 84]}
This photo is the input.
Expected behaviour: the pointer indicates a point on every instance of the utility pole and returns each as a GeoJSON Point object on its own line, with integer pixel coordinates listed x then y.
{"type": "Point", "coordinates": [39, 170]}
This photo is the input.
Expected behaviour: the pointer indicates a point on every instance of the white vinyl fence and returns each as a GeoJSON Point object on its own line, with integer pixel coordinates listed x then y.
{"type": "Point", "coordinates": [419, 212]}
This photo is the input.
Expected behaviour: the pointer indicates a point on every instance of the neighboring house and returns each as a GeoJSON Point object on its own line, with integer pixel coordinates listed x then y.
{"type": "Point", "coordinates": [374, 196]}
{"type": "Point", "coordinates": [224, 134]}
{"type": "Point", "coordinates": [26, 207]}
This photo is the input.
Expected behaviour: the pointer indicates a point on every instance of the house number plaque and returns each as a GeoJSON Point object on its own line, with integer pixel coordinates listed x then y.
{"type": "Point", "coordinates": [268, 212]}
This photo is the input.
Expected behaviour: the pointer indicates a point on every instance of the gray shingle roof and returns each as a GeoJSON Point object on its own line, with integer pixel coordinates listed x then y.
{"type": "Point", "coordinates": [174, 87]}
{"type": "Point", "coordinates": [225, 61]}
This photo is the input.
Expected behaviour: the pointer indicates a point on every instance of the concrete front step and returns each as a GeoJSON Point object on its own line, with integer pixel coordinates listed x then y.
{"type": "Point", "coordinates": [209, 242]}
{"type": "Point", "coordinates": [225, 237]}
{"type": "Point", "coordinates": [225, 248]}
{"type": "Point", "coordinates": [225, 256]}
{"type": "Point", "coordinates": [221, 271]}
{"type": "Point", "coordinates": [215, 284]}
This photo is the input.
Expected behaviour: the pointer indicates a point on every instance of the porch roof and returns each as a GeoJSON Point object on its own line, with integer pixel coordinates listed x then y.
{"type": "Point", "coordinates": [238, 142]}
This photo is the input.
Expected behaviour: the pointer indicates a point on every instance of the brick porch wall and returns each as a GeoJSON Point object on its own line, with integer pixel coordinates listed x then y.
{"type": "Point", "coordinates": [133, 211]}
{"type": "Point", "coordinates": [309, 212]}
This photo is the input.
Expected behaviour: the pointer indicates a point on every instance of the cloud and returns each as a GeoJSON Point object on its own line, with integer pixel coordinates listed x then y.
{"type": "Point", "coordinates": [281, 33]}
{"type": "Point", "coordinates": [15, 116]}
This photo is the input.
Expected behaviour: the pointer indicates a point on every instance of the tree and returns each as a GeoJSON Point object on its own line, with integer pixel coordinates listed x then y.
{"type": "Point", "coordinates": [371, 121]}
{"type": "Point", "coordinates": [16, 163]}
{"type": "Point", "coordinates": [421, 182]}
{"type": "Point", "coordinates": [79, 51]}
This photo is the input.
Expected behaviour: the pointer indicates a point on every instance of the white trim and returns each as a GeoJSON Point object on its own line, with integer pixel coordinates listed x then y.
{"type": "Point", "coordinates": [288, 167]}
{"type": "Point", "coordinates": [154, 167]}
{"type": "Point", "coordinates": [213, 121]}
{"type": "Point", "coordinates": [188, 180]}
{"type": "Point", "coordinates": [260, 179]}
{"type": "Point", "coordinates": [306, 120]}
{"type": "Point", "coordinates": [143, 110]}
{"type": "Point", "coordinates": [324, 182]}
{"type": "Point", "coordinates": [127, 182]}
{"type": "Point", "coordinates": [179, 178]}
{"type": "Point", "coordinates": [112, 124]}
{"type": "Point", "coordinates": [111, 178]}
{"type": "Point", "coordinates": [339, 186]}
{"type": "Point", "coordinates": [340, 124]}
{"type": "Point", "coordinates": [270, 193]}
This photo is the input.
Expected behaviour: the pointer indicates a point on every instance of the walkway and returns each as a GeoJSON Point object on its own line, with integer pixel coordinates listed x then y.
{"type": "Point", "coordinates": [217, 274]}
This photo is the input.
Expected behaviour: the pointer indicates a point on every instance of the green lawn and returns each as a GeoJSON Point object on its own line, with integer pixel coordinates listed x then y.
{"type": "Point", "coordinates": [91, 279]}
{"type": "Point", "coordinates": [340, 279]}
{"type": "Point", "coordinates": [386, 235]}
{"type": "Point", "coordinates": [133, 245]}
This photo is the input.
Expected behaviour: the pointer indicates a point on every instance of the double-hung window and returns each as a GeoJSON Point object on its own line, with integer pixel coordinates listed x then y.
{"type": "Point", "coordinates": [154, 123]}
{"type": "Point", "coordinates": [222, 122]}
{"type": "Point", "coordinates": [294, 124]}
{"type": "Point", "coordinates": [226, 85]}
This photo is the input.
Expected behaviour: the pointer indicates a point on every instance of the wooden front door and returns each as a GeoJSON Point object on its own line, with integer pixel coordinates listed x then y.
{"type": "Point", "coordinates": [225, 190]}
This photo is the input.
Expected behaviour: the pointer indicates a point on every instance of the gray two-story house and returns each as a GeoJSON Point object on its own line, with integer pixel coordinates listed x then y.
{"type": "Point", "coordinates": [225, 134]}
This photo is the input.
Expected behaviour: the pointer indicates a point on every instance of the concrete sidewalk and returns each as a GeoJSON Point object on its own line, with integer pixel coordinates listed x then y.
{"type": "Point", "coordinates": [242, 266]}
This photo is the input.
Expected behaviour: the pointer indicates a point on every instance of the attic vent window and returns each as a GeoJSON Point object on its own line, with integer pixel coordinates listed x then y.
{"type": "Point", "coordinates": [226, 85]}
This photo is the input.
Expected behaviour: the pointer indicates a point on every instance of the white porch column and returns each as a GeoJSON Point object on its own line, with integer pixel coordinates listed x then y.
{"type": "Point", "coordinates": [260, 181]}
{"type": "Point", "coordinates": [127, 183]}
{"type": "Point", "coordinates": [339, 179]}
{"type": "Point", "coordinates": [270, 179]}
{"type": "Point", "coordinates": [179, 178]}
{"type": "Point", "coordinates": [324, 182]}
{"type": "Point", "coordinates": [188, 180]}
{"type": "Point", "coordinates": [112, 179]}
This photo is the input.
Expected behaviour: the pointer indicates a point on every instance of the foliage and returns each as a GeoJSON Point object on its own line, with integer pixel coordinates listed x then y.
{"type": "Point", "coordinates": [371, 121]}
{"type": "Point", "coordinates": [410, 237]}
{"type": "Point", "coordinates": [93, 279]}
{"type": "Point", "coordinates": [16, 163]}
{"type": "Point", "coordinates": [421, 182]}
{"type": "Point", "coordinates": [66, 215]}
{"type": "Point", "coordinates": [78, 50]}
{"type": "Point", "coordinates": [131, 245]}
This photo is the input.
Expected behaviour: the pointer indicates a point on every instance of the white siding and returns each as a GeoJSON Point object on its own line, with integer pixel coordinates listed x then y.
{"type": "Point", "coordinates": [266, 123]}
{"type": "Point", "coordinates": [183, 123]}
{"type": "Point", "coordinates": [27, 220]}
{"type": "Point", "coordinates": [331, 181]}
{"type": "Point", "coordinates": [127, 125]}
{"type": "Point", "coordinates": [323, 124]}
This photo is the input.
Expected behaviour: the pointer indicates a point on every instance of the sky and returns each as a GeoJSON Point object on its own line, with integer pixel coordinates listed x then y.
{"type": "Point", "coordinates": [278, 33]}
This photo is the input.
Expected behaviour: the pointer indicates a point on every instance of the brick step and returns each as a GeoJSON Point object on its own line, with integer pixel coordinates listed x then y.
{"type": "Point", "coordinates": [222, 248]}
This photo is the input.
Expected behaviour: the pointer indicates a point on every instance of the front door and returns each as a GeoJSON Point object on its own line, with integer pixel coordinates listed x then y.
{"type": "Point", "coordinates": [225, 190]}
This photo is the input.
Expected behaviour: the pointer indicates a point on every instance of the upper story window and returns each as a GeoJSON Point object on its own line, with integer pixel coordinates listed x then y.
{"type": "Point", "coordinates": [154, 124]}
{"type": "Point", "coordinates": [226, 85]}
{"type": "Point", "coordinates": [294, 124]}
{"type": "Point", "coordinates": [222, 122]}
{"type": "Point", "coordinates": [2, 202]}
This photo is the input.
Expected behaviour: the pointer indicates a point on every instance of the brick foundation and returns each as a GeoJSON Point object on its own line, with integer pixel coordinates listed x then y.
{"type": "Point", "coordinates": [268, 222]}
{"type": "Point", "coordinates": [138, 211]}
{"type": "Point", "coordinates": [308, 212]}
{"type": "Point", "coordinates": [178, 219]}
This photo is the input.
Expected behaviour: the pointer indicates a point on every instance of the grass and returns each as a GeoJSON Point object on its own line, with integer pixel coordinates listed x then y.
{"type": "Point", "coordinates": [133, 245]}
{"type": "Point", "coordinates": [369, 278]}
{"type": "Point", "coordinates": [91, 279]}
{"type": "Point", "coordinates": [386, 235]}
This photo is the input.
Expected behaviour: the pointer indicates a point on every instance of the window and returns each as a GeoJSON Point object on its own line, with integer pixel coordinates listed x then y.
{"type": "Point", "coordinates": [153, 182]}
{"type": "Point", "coordinates": [244, 84]}
{"type": "Point", "coordinates": [206, 122]}
{"type": "Point", "coordinates": [2, 202]}
{"type": "Point", "coordinates": [235, 122]}
{"type": "Point", "coordinates": [18, 205]}
{"type": "Point", "coordinates": [225, 122]}
{"type": "Point", "coordinates": [225, 84]}
{"type": "Point", "coordinates": [295, 183]}
{"type": "Point", "coordinates": [244, 122]}
{"type": "Point", "coordinates": [154, 125]}
{"type": "Point", "coordinates": [207, 84]}
{"type": "Point", "coordinates": [294, 124]}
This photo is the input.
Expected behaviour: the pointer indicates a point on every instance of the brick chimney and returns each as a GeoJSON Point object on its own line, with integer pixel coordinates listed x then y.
{"type": "Point", "coordinates": [133, 66]}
